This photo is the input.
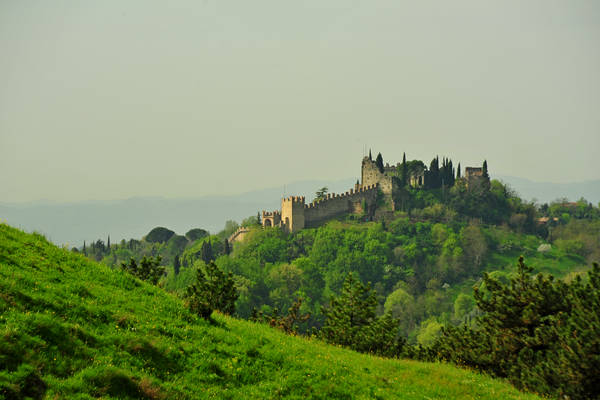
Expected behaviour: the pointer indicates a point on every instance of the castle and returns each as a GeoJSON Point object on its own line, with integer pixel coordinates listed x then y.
{"type": "Point", "coordinates": [377, 185]}
{"type": "Point", "coordinates": [295, 214]}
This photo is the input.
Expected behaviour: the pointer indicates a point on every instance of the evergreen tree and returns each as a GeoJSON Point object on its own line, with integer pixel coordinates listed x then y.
{"type": "Point", "coordinates": [176, 265]}
{"type": "Point", "coordinates": [108, 243]}
{"type": "Point", "coordinates": [404, 170]}
{"type": "Point", "coordinates": [541, 334]}
{"type": "Point", "coordinates": [226, 248]}
{"type": "Point", "coordinates": [458, 171]}
{"type": "Point", "coordinates": [351, 321]}
{"type": "Point", "coordinates": [258, 220]}
{"type": "Point", "coordinates": [379, 162]}
{"type": "Point", "coordinates": [213, 290]}
{"type": "Point", "coordinates": [206, 253]}
{"type": "Point", "coordinates": [485, 170]}
{"type": "Point", "coordinates": [84, 249]}
{"type": "Point", "coordinates": [148, 270]}
{"type": "Point", "coordinates": [370, 157]}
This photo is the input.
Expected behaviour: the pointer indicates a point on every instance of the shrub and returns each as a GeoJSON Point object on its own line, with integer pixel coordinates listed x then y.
{"type": "Point", "coordinates": [213, 290]}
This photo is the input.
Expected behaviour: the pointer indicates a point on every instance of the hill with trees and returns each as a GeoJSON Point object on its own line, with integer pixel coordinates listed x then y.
{"type": "Point", "coordinates": [73, 328]}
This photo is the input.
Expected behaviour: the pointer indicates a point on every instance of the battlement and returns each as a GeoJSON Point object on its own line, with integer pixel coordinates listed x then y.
{"type": "Point", "coordinates": [267, 214]}
{"type": "Point", "coordinates": [294, 199]}
{"type": "Point", "coordinates": [349, 195]}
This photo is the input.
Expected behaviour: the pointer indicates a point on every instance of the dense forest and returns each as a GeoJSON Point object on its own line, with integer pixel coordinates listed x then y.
{"type": "Point", "coordinates": [417, 267]}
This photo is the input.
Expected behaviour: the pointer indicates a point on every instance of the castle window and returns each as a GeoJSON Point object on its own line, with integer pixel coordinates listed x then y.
{"type": "Point", "coordinates": [268, 222]}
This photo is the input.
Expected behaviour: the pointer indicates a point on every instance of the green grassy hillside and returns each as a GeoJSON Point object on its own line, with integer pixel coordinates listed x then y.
{"type": "Point", "coordinates": [71, 328]}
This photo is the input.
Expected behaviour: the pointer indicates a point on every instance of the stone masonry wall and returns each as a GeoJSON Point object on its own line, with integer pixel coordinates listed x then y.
{"type": "Point", "coordinates": [338, 204]}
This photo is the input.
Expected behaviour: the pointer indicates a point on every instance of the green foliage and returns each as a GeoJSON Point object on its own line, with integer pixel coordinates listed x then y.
{"type": "Point", "coordinates": [148, 270]}
{"type": "Point", "coordinates": [71, 328]}
{"type": "Point", "coordinates": [195, 234]}
{"type": "Point", "coordinates": [213, 290]}
{"type": "Point", "coordinates": [351, 321]}
{"type": "Point", "coordinates": [321, 193]}
{"type": "Point", "coordinates": [287, 323]}
{"type": "Point", "coordinates": [159, 235]}
{"type": "Point", "coordinates": [531, 328]}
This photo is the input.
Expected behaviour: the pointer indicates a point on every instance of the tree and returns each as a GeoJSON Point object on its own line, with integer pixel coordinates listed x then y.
{"type": "Point", "coordinates": [531, 328]}
{"type": "Point", "coordinates": [195, 234]}
{"type": "Point", "coordinates": [321, 193]}
{"type": "Point", "coordinates": [226, 248]}
{"type": "Point", "coordinates": [213, 290]}
{"type": "Point", "coordinates": [148, 270]}
{"type": "Point", "coordinates": [458, 171]}
{"type": "Point", "coordinates": [108, 243]}
{"type": "Point", "coordinates": [176, 265]}
{"type": "Point", "coordinates": [404, 170]}
{"type": "Point", "coordinates": [485, 170]}
{"type": "Point", "coordinates": [370, 157]}
{"type": "Point", "coordinates": [206, 253]}
{"type": "Point", "coordinates": [351, 321]}
{"type": "Point", "coordinates": [159, 235]}
{"type": "Point", "coordinates": [379, 162]}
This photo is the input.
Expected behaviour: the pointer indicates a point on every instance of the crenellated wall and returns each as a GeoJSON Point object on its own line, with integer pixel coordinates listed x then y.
{"type": "Point", "coordinates": [335, 205]}
{"type": "Point", "coordinates": [296, 214]}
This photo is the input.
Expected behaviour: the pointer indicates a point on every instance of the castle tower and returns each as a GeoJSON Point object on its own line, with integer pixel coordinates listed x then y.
{"type": "Point", "coordinates": [292, 213]}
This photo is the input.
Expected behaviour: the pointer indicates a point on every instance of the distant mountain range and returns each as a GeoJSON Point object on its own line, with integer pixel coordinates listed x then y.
{"type": "Point", "coordinates": [545, 192]}
{"type": "Point", "coordinates": [72, 223]}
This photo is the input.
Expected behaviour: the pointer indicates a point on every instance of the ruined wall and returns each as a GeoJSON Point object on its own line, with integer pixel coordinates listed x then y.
{"type": "Point", "coordinates": [372, 176]}
{"type": "Point", "coordinates": [336, 205]}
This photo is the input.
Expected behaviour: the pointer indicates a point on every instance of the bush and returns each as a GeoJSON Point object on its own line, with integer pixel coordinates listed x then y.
{"type": "Point", "coordinates": [213, 290]}
{"type": "Point", "coordinates": [541, 334]}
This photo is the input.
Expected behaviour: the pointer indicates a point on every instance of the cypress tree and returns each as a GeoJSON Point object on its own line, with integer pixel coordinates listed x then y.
{"type": "Point", "coordinates": [458, 171]}
{"type": "Point", "coordinates": [379, 162]}
{"type": "Point", "coordinates": [206, 253]}
{"type": "Point", "coordinates": [84, 249]}
{"type": "Point", "coordinates": [370, 157]}
{"type": "Point", "coordinates": [108, 243]}
{"type": "Point", "coordinates": [485, 170]}
{"type": "Point", "coordinates": [226, 248]}
{"type": "Point", "coordinates": [176, 265]}
{"type": "Point", "coordinates": [404, 170]}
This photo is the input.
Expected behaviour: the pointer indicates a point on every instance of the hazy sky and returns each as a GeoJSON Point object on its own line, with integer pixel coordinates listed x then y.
{"type": "Point", "coordinates": [113, 99]}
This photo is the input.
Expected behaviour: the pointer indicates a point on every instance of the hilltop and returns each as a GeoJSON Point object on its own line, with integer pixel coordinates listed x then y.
{"type": "Point", "coordinates": [73, 328]}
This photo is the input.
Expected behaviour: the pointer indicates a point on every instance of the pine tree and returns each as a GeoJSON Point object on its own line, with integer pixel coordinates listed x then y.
{"type": "Point", "coordinates": [379, 162]}
{"type": "Point", "coordinates": [213, 290]}
{"type": "Point", "coordinates": [149, 269]}
{"type": "Point", "coordinates": [351, 321]}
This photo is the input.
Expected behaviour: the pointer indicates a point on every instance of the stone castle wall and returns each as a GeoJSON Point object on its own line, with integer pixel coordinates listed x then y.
{"type": "Point", "coordinates": [335, 205]}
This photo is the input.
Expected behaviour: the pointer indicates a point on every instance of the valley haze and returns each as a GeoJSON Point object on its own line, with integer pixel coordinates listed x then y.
{"type": "Point", "coordinates": [72, 223]}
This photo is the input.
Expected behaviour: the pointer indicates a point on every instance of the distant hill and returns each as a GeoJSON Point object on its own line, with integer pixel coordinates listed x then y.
{"type": "Point", "coordinates": [546, 192]}
{"type": "Point", "coordinates": [72, 328]}
{"type": "Point", "coordinates": [73, 223]}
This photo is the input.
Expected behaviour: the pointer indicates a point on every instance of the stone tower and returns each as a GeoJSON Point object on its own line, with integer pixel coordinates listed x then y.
{"type": "Point", "coordinates": [292, 213]}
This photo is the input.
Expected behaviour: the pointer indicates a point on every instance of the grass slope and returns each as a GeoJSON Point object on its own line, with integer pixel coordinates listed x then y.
{"type": "Point", "coordinates": [71, 328]}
